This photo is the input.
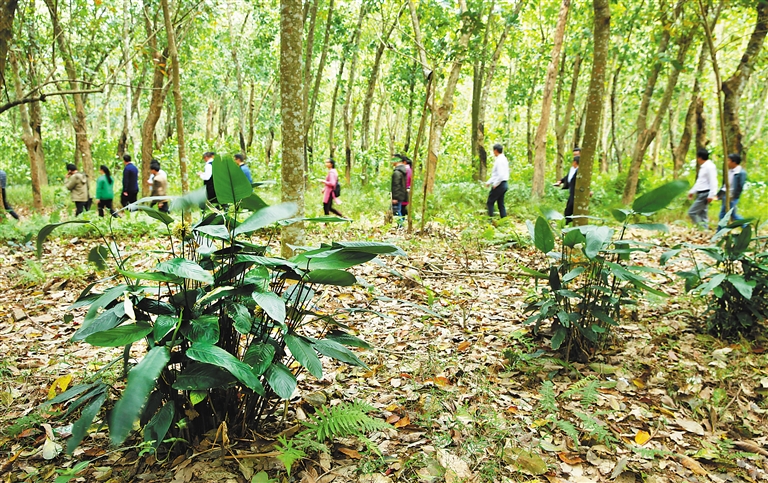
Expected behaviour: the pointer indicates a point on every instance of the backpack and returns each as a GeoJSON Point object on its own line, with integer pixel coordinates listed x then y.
{"type": "Point", "coordinates": [337, 190]}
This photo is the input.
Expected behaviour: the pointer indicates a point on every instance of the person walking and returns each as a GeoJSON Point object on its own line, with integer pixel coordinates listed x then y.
{"type": "Point", "coordinates": [399, 189]}
{"type": "Point", "coordinates": [105, 191]}
{"type": "Point", "coordinates": [159, 185]}
{"type": "Point", "coordinates": [569, 182]}
{"type": "Point", "coordinates": [408, 180]}
{"type": "Point", "coordinates": [329, 188]}
{"type": "Point", "coordinates": [240, 160]}
{"type": "Point", "coordinates": [704, 190]}
{"type": "Point", "coordinates": [498, 181]}
{"type": "Point", "coordinates": [3, 185]}
{"type": "Point", "coordinates": [77, 184]}
{"type": "Point", "coordinates": [737, 178]}
{"type": "Point", "coordinates": [207, 176]}
{"type": "Point", "coordinates": [130, 181]}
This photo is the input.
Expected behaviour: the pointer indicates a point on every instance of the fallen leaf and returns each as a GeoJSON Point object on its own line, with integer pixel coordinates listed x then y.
{"type": "Point", "coordinates": [690, 426]}
{"type": "Point", "coordinates": [403, 422]}
{"type": "Point", "coordinates": [570, 458]}
{"type": "Point", "coordinates": [456, 469]}
{"type": "Point", "coordinates": [393, 419]}
{"type": "Point", "coordinates": [464, 346]}
{"type": "Point", "coordinates": [693, 465]}
{"type": "Point", "coordinates": [354, 454]}
{"type": "Point", "coordinates": [642, 437]}
{"type": "Point", "coordinates": [442, 381]}
{"type": "Point", "coordinates": [531, 463]}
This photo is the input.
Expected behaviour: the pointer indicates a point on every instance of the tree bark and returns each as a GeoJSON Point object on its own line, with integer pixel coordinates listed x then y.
{"type": "Point", "coordinates": [239, 79]}
{"type": "Point", "coordinates": [561, 126]}
{"type": "Point", "coordinates": [680, 152]}
{"type": "Point", "coordinates": [540, 142]}
{"type": "Point", "coordinates": [177, 101]}
{"type": "Point", "coordinates": [646, 134]}
{"type": "Point", "coordinates": [7, 12]}
{"type": "Point", "coordinates": [733, 88]}
{"type": "Point", "coordinates": [31, 138]}
{"type": "Point", "coordinates": [601, 35]}
{"type": "Point", "coordinates": [83, 155]}
{"type": "Point", "coordinates": [334, 103]}
{"type": "Point", "coordinates": [320, 69]}
{"type": "Point", "coordinates": [478, 71]}
{"type": "Point", "coordinates": [292, 114]}
{"type": "Point", "coordinates": [348, 111]}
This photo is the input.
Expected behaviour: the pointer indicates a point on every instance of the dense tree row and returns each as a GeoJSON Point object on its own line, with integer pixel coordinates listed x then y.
{"type": "Point", "coordinates": [638, 84]}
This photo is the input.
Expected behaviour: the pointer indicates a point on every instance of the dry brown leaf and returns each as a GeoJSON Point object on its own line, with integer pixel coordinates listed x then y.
{"type": "Point", "coordinates": [393, 419]}
{"type": "Point", "coordinates": [570, 458]}
{"type": "Point", "coordinates": [464, 346]}
{"type": "Point", "coordinates": [693, 465]}
{"type": "Point", "coordinates": [352, 453]}
{"type": "Point", "coordinates": [403, 422]}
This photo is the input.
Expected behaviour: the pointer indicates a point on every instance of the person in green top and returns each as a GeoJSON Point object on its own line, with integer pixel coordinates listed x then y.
{"type": "Point", "coordinates": [105, 191]}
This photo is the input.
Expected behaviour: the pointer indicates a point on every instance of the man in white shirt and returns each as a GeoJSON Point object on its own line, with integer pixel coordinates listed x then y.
{"type": "Point", "coordinates": [568, 182]}
{"type": "Point", "coordinates": [207, 176]}
{"type": "Point", "coordinates": [498, 181]}
{"type": "Point", "coordinates": [704, 190]}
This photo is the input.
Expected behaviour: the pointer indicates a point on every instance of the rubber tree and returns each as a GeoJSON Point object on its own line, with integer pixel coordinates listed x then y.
{"type": "Point", "coordinates": [601, 34]}
{"type": "Point", "coordinates": [173, 52]}
{"type": "Point", "coordinates": [31, 136]}
{"type": "Point", "coordinates": [292, 114]}
{"type": "Point", "coordinates": [540, 141]}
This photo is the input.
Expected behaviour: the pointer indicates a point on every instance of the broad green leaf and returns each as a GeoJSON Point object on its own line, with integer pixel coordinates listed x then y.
{"type": "Point", "coordinates": [743, 286]}
{"type": "Point", "coordinates": [200, 377]}
{"type": "Point", "coordinates": [196, 397]}
{"type": "Point", "coordinates": [192, 200]}
{"type": "Point", "coordinates": [329, 259]}
{"type": "Point", "coordinates": [253, 203]}
{"type": "Point", "coordinates": [272, 304]}
{"type": "Point", "coordinates": [141, 381]}
{"type": "Point", "coordinates": [241, 316]}
{"type": "Point", "coordinates": [619, 214]}
{"type": "Point", "coordinates": [551, 214]}
{"type": "Point", "coordinates": [266, 261]}
{"type": "Point", "coordinates": [266, 217]}
{"type": "Point", "coordinates": [715, 281]}
{"type": "Point", "coordinates": [219, 232]}
{"type": "Point", "coordinates": [216, 294]}
{"type": "Point", "coordinates": [204, 329]}
{"type": "Point", "coordinates": [659, 198]}
{"type": "Point", "coordinates": [229, 181]}
{"type": "Point", "coordinates": [259, 356]}
{"type": "Point", "coordinates": [281, 380]}
{"type": "Point", "coordinates": [340, 278]}
{"type": "Point", "coordinates": [543, 238]}
{"type": "Point", "coordinates": [347, 339]}
{"type": "Point", "coordinates": [71, 393]}
{"type": "Point", "coordinates": [98, 256]}
{"type": "Point", "coordinates": [165, 218]}
{"type": "Point", "coordinates": [666, 256]}
{"type": "Point", "coordinates": [743, 239]}
{"type": "Point", "coordinates": [379, 248]}
{"type": "Point", "coordinates": [334, 350]}
{"type": "Point", "coordinates": [532, 272]}
{"type": "Point", "coordinates": [120, 336]}
{"type": "Point", "coordinates": [558, 337]}
{"type": "Point", "coordinates": [158, 426]}
{"type": "Point", "coordinates": [48, 229]}
{"type": "Point", "coordinates": [164, 324]}
{"type": "Point", "coordinates": [303, 352]}
{"type": "Point", "coordinates": [108, 319]}
{"type": "Point", "coordinates": [186, 269]}
{"type": "Point", "coordinates": [573, 274]}
{"type": "Point", "coordinates": [573, 238]}
{"type": "Point", "coordinates": [152, 276]}
{"type": "Point", "coordinates": [109, 296]}
{"type": "Point", "coordinates": [597, 239]}
{"type": "Point", "coordinates": [316, 219]}
{"type": "Point", "coordinates": [211, 354]}
{"type": "Point", "coordinates": [80, 427]}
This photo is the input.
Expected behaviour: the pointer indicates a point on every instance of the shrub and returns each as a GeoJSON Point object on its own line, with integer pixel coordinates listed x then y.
{"type": "Point", "coordinates": [591, 278]}
{"type": "Point", "coordinates": [227, 328]}
{"type": "Point", "coordinates": [734, 280]}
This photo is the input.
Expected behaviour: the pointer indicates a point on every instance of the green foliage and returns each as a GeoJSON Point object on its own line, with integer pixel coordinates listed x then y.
{"type": "Point", "coordinates": [346, 419]}
{"type": "Point", "coordinates": [591, 278]}
{"type": "Point", "coordinates": [733, 278]}
{"type": "Point", "coordinates": [223, 323]}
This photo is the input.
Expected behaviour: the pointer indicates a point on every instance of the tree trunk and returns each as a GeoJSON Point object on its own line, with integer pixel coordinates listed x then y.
{"type": "Point", "coordinates": [223, 106]}
{"type": "Point", "coordinates": [320, 68]}
{"type": "Point", "coordinates": [83, 155]}
{"type": "Point", "coordinates": [348, 112]}
{"type": "Point", "coordinates": [478, 71]}
{"type": "Point", "coordinates": [540, 142]}
{"type": "Point", "coordinates": [734, 86]}
{"type": "Point", "coordinates": [441, 112]}
{"type": "Point", "coordinates": [601, 36]}
{"type": "Point", "coordinates": [680, 152]}
{"type": "Point", "coordinates": [31, 138]}
{"type": "Point", "coordinates": [561, 127]}
{"type": "Point", "coordinates": [177, 101]}
{"type": "Point", "coordinates": [334, 103]}
{"type": "Point", "coordinates": [409, 116]}
{"type": "Point", "coordinates": [209, 121]}
{"type": "Point", "coordinates": [425, 113]}
{"type": "Point", "coordinates": [372, 78]}
{"type": "Point", "coordinates": [646, 134]}
{"type": "Point", "coordinates": [7, 12]}
{"type": "Point", "coordinates": [529, 126]}
{"type": "Point", "coordinates": [239, 79]}
{"type": "Point", "coordinates": [291, 111]}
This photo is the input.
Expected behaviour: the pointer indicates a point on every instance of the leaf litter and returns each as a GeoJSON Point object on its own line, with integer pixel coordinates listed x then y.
{"type": "Point", "coordinates": [470, 393]}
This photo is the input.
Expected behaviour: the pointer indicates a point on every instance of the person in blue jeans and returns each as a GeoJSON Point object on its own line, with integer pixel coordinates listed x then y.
{"type": "Point", "coordinates": [737, 178]}
{"type": "Point", "coordinates": [399, 189]}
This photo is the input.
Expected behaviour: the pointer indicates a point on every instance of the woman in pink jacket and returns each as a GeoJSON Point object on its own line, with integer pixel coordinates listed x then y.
{"type": "Point", "coordinates": [330, 186]}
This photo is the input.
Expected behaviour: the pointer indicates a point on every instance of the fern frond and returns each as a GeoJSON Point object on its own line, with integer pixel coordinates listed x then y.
{"type": "Point", "coordinates": [569, 429]}
{"type": "Point", "coordinates": [596, 429]}
{"type": "Point", "coordinates": [346, 419]}
{"type": "Point", "coordinates": [586, 389]}
{"type": "Point", "coordinates": [548, 400]}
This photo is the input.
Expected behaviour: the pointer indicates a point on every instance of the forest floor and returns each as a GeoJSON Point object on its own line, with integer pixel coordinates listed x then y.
{"type": "Point", "coordinates": [454, 369]}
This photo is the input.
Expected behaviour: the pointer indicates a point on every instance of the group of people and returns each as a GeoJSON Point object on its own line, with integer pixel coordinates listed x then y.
{"type": "Point", "coordinates": [79, 191]}
{"type": "Point", "coordinates": [706, 188]}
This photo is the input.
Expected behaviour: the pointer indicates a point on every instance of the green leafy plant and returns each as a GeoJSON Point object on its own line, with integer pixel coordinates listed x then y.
{"type": "Point", "coordinates": [591, 277]}
{"type": "Point", "coordinates": [733, 277]}
{"type": "Point", "coordinates": [227, 328]}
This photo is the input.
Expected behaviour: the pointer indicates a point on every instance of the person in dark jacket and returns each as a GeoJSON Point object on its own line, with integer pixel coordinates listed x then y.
{"type": "Point", "coordinates": [737, 178]}
{"type": "Point", "coordinates": [130, 182]}
{"type": "Point", "coordinates": [569, 183]}
{"type": "Point", "coordinates": [6, 206]}
{"type": "Point", "coordinates": [399, 188]}
{"type": "Point", "coordinates": [207, 176]}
